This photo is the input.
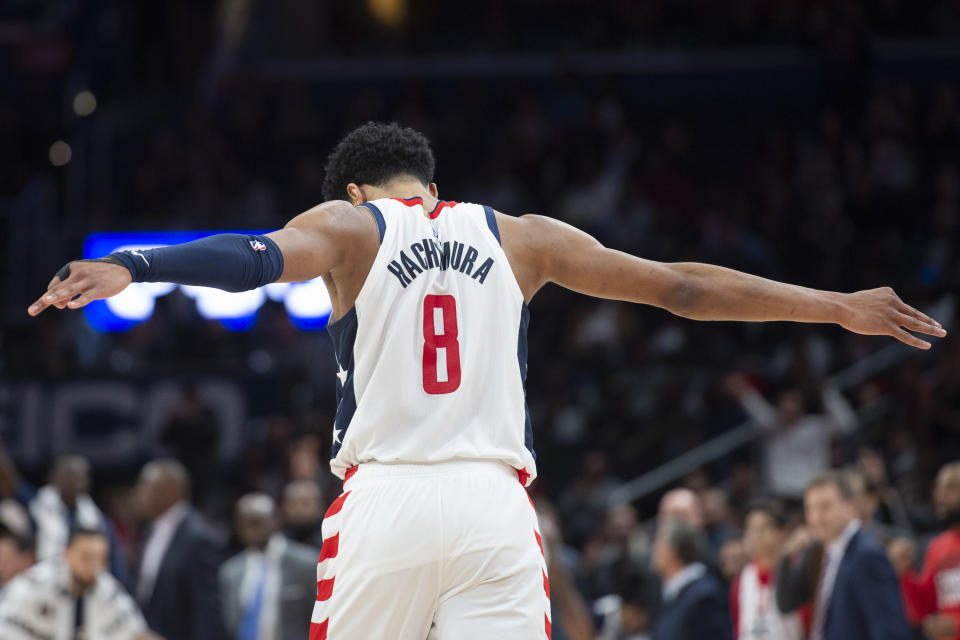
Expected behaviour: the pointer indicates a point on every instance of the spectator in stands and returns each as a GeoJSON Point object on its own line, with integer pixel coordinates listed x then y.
{"type": "Point", "coordinates": [753, 603]}
{"type": "Point", "coordinates": [845, 575]}
{"type": "Point", "coordinates": [625, 546]}
{"type": "Point", "coordinates": [269, 588]}
{"type": "Point", "coordinates": [192, 434]}
{"type": "Point", "coordinates": [694, 604]}
{"type": "Point", "coordinates": [890, 509]}
{"type": "Point", "coordinates": [65, 504]}
{"type": "Point", "coordinates": [585, 498]}
{"type": "Point", "coordinates": [70, 596]}
{"type": "Point", "coordinates": [302, 510]}
{"type": "Point", "coordinates": [933, 597]}
{"type": "Point", "coordinates": [717, 522]}
{"type": "Point", "coordinates": [866, 502]}
{"type": "Point", "coordinates": [625, 614]}
{"type": "Point", "coordinates": [683, 505]}
{"type": "Point", "coordinates": [687, 506]}
{"type": "Point", "coordinates": [796, 445]}
{"type": "Point", "coordinates": [177, 582]}
{"type": "Point", "coordinates": [733, 558]}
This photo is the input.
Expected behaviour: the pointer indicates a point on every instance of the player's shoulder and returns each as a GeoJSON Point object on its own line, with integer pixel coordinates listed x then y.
{"type": "Point", "coordinates": [534, 233]}
{"type": "Point", "coordinates": [525, 223]}
{"type": "Point", "coordinates": [337, 218]}
{"type": "Point", "coordinates": [334, 212]}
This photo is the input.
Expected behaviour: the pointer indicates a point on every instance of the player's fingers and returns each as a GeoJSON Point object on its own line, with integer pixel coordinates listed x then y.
{"type": "Point", "coordinates": [38, 306]}
{"type": "Point", "coordinates": [920, 326]}
{"type": "Point", "coordinates": [909, 339]}
{"type": "Point", "coordinates": [81, 300]}
{"type": "Point", "coordinates": [65, 291]}
{"type": "Point", "coordinates": [910, 311]}
{"type": "Point", "coordinates": [45, 301]}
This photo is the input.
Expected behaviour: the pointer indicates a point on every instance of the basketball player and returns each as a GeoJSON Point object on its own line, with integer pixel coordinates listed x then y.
{"type": "Point", "coordinates": [433, 535]}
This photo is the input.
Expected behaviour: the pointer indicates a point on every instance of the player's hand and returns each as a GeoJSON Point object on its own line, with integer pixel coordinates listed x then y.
{"type": "Point", "coordinates": [880, 312]}
{"type": "Point", "coordinates": [87, 281]}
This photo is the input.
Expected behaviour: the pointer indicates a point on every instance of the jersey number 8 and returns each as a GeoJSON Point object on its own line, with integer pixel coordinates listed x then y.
{"type": "Point", "coordinates": [447, 340]}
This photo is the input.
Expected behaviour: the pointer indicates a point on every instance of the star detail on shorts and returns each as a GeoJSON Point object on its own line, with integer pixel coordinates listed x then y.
{"type": "Point", "coordinates": [336, 436]}
{"type": "Point", "coordinates": [342, 374]}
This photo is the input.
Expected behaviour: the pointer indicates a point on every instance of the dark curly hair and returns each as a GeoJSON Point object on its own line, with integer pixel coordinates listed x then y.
{"type": "Point", "coordinates": [374, 154]}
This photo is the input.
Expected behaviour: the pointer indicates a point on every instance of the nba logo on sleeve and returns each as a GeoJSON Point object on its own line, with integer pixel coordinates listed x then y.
{"type": "Point", "coordinates": [256, 245]}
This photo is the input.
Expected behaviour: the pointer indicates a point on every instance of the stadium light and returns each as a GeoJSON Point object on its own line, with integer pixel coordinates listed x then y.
{"type": "Point", "coordinates": [84, 103]}
{"type": "Point", "coordinates": [60, 153]}
{"type": "Point", "coordinates": [307, 303]}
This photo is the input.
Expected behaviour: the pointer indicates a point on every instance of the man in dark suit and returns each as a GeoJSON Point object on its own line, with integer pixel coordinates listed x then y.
{"type": "Point", "coordinates": [845, 575]}
{"type": "Point", "coordinates": [177, 583]}
{"type": "Point", "coordinates": [269, 589]}
{"type": "Point", "coordinates": [694, 602]}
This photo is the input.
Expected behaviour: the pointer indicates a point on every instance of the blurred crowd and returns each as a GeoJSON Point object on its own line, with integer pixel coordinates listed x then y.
{"type": "Point", "coordinates": [855, 185]}
{"type": "Point", "coordinates": [843, 560]}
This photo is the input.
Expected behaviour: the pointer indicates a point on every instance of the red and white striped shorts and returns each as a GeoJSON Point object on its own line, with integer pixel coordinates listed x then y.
{"type": "Point", "coordinates": [439, 551]}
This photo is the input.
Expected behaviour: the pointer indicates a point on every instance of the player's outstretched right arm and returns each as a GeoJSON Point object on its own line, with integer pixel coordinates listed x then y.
{"type": "Point", "coordinates": [553, 251]}
{"type": "Point", "coordinates": [311, 245]}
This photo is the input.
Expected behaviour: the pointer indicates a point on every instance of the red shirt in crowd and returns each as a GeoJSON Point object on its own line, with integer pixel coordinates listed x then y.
{"type": "Point", "coordinates": [937, 588]}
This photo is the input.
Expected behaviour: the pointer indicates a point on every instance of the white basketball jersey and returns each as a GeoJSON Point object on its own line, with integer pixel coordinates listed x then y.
{"type": "Point", "coordinates": [432, 359]}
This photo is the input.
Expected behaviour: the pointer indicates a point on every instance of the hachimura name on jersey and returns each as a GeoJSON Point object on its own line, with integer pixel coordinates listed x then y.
{"type": "Point", "coordinates": [430, 254]}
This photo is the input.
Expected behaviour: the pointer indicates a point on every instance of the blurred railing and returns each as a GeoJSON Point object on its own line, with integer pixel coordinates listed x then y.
{"type": "Point", "coordinates": [712, 450]}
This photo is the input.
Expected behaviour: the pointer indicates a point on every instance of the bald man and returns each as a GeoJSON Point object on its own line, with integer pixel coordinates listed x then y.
{"type": "Point", "coordinates": [933, 597]}
{"type": "Point", "coordinates": [684, 505]}
{"type": "Point", "coordinates": [177, 584]}
{"type": "Point", "coordinates": [269, 588]}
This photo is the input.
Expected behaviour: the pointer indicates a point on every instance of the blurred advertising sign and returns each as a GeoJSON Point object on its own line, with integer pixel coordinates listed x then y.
{"type": "Point", "coordinates": [116, 421]}
{"type": "Point", "coordinates": [307, 303]}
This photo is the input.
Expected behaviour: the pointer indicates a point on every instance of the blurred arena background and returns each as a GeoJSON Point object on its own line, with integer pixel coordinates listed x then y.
{"type": "Point", "coordinates": [810, 141]}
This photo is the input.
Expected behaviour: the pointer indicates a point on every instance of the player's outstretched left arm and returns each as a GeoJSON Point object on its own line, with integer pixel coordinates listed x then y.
{"type": "Point", "coordinates": [310, 245]}
{"type": "Point", "coordinates": [553, 251]}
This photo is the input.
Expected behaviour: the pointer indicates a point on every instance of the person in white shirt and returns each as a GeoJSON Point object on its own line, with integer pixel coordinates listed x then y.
{"type": "Point", "coordinates": [65, 504]}
{"type": "Point", "coordinates": [796, 441]}
{"type": "Point", "coordinates": [753, 595]}
{"type": "Point", "coordinates": [71, 597]}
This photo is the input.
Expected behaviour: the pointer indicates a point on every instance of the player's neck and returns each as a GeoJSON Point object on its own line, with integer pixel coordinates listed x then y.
{"type": "Point", "coordinates": [405, 189]}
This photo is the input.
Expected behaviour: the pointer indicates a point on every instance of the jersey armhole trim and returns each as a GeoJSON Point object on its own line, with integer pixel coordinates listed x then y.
{"type": "Point", "coordinates": [492, 223]}
{"type": "Point", "coordinates": [378, 217]}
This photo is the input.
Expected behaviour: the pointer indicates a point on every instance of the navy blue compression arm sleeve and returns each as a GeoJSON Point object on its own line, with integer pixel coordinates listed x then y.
{"type": "Point", "coordinates": [228, 261]}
